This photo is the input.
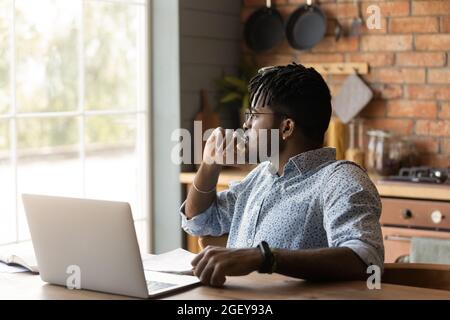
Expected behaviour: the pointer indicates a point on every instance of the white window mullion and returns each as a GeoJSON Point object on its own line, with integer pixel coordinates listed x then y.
{"type": "Point", "coordinates": [141, 133]}
{"type": "Point", "coordinates": [81, 75]}
{"type": "Point", "coordinates": [13, 113]}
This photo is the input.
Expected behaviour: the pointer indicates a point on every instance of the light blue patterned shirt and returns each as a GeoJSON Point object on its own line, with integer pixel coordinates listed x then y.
{"type": "Point", "coordinates": [318, 202]}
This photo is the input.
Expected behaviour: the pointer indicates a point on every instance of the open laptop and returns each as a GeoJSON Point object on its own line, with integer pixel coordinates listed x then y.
{"type": "Point", "coordinates": [97, 240]}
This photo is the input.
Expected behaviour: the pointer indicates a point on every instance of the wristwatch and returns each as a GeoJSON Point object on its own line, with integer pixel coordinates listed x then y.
{"type": "Point", "coordinates": [269, 262]}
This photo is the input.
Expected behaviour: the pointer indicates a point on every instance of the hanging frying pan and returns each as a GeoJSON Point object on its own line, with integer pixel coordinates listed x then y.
{"type": "Point", "coordinates": [264, 29]}
{"type": "Point", "coordinates": [306, 26]}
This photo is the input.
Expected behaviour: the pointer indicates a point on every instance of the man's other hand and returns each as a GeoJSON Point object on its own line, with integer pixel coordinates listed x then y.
{"type": "Point", "coordinates": [213, 264]}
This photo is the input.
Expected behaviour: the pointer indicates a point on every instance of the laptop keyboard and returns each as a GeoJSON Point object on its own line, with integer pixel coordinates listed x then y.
{"type": "Point", "coordinates": [156, 285]}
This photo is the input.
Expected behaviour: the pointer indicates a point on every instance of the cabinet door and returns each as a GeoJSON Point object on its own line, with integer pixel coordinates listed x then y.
{"type": "Point", "coordinates": [397, 241]}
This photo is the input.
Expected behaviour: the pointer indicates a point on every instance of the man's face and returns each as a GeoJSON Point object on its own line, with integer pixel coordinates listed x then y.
{"type": "Point", "coordinates": [260, 126]}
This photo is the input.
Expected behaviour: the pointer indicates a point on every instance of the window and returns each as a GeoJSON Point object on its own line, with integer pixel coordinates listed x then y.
{"type": "Point", "coordinates": [73, 107]}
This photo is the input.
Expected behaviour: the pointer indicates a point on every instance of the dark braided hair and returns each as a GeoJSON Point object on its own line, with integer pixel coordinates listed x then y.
{"type": "Point", "coordinates": [298, 92]}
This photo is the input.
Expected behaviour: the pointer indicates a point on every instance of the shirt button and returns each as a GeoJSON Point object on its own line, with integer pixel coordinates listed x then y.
{"type": "Point", "coordinates": [249, 242]}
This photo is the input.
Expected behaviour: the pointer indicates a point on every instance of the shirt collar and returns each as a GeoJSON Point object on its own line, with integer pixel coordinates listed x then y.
{"type": "Point", "coordinates": [309, 160]}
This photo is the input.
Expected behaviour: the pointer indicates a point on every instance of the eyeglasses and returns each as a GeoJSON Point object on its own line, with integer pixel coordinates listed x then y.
{"type": "Point", "coordinates": [250, 115]}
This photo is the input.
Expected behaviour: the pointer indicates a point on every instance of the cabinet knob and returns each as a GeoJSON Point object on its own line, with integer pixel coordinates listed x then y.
{"type": "Point", "coordinates": [437, 216]}
{"type": "Point", "coordinates": [407, 214]}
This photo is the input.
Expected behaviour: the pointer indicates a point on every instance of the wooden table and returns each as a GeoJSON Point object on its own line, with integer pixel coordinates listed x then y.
{"type": "Point", "coordinates": [253, 286]}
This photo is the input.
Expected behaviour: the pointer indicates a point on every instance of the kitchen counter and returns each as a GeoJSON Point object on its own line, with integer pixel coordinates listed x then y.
{"type": "Point", "coordinates": [385, 188]}
{"type": "Point", "coordinates": [253, 286]}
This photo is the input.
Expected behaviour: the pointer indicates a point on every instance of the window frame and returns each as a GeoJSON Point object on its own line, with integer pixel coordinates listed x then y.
{"type": "Point", "coordinates": [142, 109]}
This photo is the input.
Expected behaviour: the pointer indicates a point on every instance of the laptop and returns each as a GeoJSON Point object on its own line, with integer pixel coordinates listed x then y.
{"type": "Point", "coordinates": [94, 241]}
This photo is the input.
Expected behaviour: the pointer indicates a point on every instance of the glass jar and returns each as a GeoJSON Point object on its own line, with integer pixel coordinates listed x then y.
{"type": "Point", "coordinates": [405, 150]}
{"type": "Point", "coordinates": [384, 153]}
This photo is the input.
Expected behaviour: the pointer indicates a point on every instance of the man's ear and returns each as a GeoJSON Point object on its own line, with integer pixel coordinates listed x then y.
{"type": "Point", "coordinates": [287, 128]}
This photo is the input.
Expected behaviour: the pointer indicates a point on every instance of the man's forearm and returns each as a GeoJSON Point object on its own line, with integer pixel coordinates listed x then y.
{"type": "Point", "coordinates": [321, 264]}
{"type": "Point", "coordinates": [205, 180]}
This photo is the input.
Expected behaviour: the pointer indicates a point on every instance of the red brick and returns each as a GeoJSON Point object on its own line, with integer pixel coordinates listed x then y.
{"type": "Point", "coordinates": [388, 9]}
{"type": "Point", "coordinates": [444, 113]}
{"type": "Point", "coordinates": [436, 128]}
{"type": "Point", "coordinates": [396, 75]}
{"type": "Point", "coordinates": [445, 146]}
{"type": "Point", "coordinates": [438, 92]}
{"type": "Point", "coordinates": [386, 43]}
{"type": "Point", "coordinates": [341, 10]}
{"type": "Point", "coordinates": [424, 8]}
{"type": "Point", "coordinates": [400, 126]}
{"type": "Point", "coordinates": [445, 24]}
{"type": "Point", "coordinates": [440, 128]}
{"type": "Point", "coordinates": [387, 91]}
{"type": "Point", "coordinates": [439, 42]}
{"type": "Point", "coordinates": [320, 57]}
{"type": "Point", "coordinates": [422, 127]}
{"type": "Point", "coordinates": [412, 109]}
{"type": "Point", "coordinates": [414, 24]}
{"type": "Point", "coordinates": [439, 76]}
{"type": "Point", "coordinates": [375, 109]}
{"type": "Point", "coordinates": [420, 59]}
{"type": "Point", "coordinates": [374, 59]}
{"type": "Point", "coordinates": [426, 145]}
{"type": "Point", "coordinates": [329, 44]}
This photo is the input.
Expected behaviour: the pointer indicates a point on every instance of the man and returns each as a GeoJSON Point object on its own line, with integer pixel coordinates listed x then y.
{"type": "Point", "coordinates": [312, 218]}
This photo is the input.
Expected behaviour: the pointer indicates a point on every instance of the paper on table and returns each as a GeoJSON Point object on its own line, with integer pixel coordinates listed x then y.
{"type": "Point", "coordinates": [4, 268]}
{"type": "Point", "coordinates": [21, 253]}
{"type": "Point", "coordinates": [175, 261]}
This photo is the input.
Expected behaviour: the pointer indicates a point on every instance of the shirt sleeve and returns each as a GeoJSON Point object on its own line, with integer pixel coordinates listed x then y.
{"type": "Point", "coordinates": [352, 210]}
{"type": "Point", "coordinates": [216, 220]}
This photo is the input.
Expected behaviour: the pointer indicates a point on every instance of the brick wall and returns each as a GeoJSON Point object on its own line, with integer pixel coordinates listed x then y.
{"type": "Point", "coordinates": [408, 59]}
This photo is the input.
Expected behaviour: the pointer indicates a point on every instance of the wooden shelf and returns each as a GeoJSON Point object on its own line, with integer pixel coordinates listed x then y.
{"type": "Point", "coordinates": [341, 68]}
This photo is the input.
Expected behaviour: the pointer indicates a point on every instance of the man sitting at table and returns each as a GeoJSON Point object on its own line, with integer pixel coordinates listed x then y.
{"type": "Point", "coordinates": [313, 217]}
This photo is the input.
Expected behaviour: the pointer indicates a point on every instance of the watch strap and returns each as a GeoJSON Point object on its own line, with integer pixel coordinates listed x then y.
{"type": "Point", "coordinates": [268, 258]}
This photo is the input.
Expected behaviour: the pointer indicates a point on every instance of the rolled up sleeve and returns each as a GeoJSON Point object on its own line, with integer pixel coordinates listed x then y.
{"type": "Point", "coordinates": [214, 221]}
{"type": "Point", "coordinates": [352, 210]}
